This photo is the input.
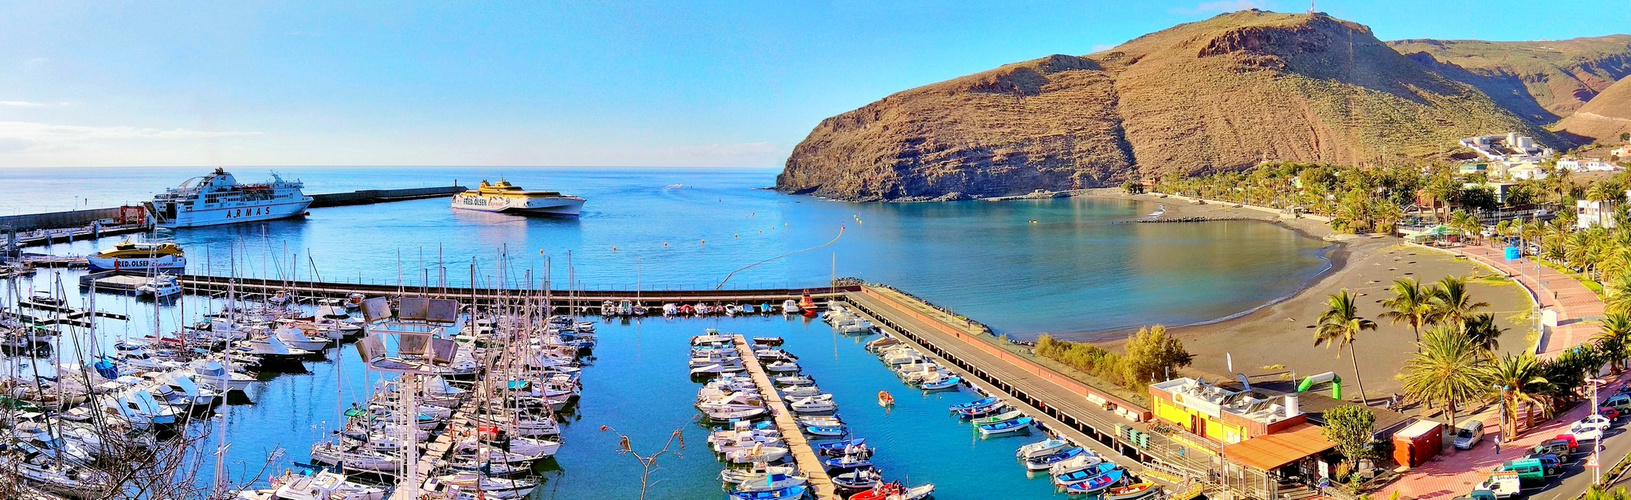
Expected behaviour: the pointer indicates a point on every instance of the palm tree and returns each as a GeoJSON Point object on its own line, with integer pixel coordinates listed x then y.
{"type": "Point", "coordinates": [1339, 326]}
{"type": "Point", "coordinates": [1452, 303]}
{"type": "Point", "coordinates": [1519, 381]}
{"type": "Point", "coordinates": [1614, 338]}
{"type": "Point", "coordinates": [1412, 303]}
{"type": "Point", "coordinates": [1449, 370]}
{"type": "Point", "coordinates": [1483, 332]}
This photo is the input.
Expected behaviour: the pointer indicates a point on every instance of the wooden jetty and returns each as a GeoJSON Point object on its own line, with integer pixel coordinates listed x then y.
{"type": "Point", "coordinates": [797, 444]}
{"type": "Point", "coordinates": [438, 449]}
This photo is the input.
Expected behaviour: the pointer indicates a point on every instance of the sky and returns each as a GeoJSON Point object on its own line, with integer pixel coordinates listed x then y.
{"type": "Point", "coordinates": [573, 83]}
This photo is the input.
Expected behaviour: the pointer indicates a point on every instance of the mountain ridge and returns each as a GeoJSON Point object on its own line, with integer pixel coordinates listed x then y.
{"type": "Point", "coordinates": [1218, 94]}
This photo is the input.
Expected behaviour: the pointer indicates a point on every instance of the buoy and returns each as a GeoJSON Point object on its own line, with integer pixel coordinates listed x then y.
{"type": "Point", "coordinates": [665, 244]}
{"type": "Point", "coordinates": [734, 235]}
{"type": "Point", "coordinates": [1033, 221]}
{"type": "Point", "coordinates": [704, 242]}
{"type": "Point", "coordinates": [614, 248]}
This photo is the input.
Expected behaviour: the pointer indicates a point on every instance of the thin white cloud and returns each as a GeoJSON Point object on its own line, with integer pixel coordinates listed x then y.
{"type": "Point", "coordinates": [24, 104]}
{"type": "Point", "coordinates": [1223, 6]}
{"type": "Point", "coordinates": [29, 135]}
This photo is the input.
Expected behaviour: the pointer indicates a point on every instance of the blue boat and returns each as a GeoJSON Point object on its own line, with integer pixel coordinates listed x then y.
{"type": "Point", "coordinates": [1083, 476]}
{"type": "Point", "coordinates": [826, 432]}
{"type": "Point", "coordinates": [983, 411]}
{"type": "Point", "coordinates": [976, 404]}
{"type": "Point", "coordinates": [846, 463]}
{"type": "Point", "coordinates": [1015, 426]}
{"type": "Point", "coordinates": [1096, 484]}
{"type": "Point", "coordinates": [1043, 462]}
{"type": "Point", "coordinates": [790, 492]}
{"type": "Point", "coordinates": [945, 383]}
{"type": "Point", "coordinates": [837, 447]}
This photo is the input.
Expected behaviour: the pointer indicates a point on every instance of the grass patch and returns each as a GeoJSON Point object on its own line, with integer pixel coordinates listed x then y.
{"type": "Point", "coordinates": [1594, 286]}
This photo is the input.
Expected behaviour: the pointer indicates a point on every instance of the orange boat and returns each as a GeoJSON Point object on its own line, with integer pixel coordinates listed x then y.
{"type": "Point", "coordinates": [885, 400]}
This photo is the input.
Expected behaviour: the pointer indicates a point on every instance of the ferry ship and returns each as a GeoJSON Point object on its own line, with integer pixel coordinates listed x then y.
{"type": "Point", "coordinates": [129, 256]}
{"type": "Point", "coordinates": [504, 197]}
{"type": "Point", "coordinates": [218, 198]}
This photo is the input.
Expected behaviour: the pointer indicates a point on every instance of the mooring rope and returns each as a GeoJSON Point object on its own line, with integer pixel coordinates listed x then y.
{"type": "Point", "coordinates": [782, 256]}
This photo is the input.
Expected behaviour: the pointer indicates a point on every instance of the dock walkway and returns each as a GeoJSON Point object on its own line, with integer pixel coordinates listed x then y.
{"type": "Point", "coordinates": [797, 445]}
{"type": "Point", "coordinates": [1063, 409]}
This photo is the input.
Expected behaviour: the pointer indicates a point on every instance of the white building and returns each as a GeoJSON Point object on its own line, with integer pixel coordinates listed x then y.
{"type": "Point", "coordinates": [1597, 213]}
{"type": "Point", "coordinates": [1586, 165]}
{"type": "Point", "coordinates": [1528, 171]}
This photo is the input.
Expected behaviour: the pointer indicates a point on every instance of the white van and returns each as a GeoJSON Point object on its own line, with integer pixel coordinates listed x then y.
{"type": "Point", "coordinates": [1468, 433]}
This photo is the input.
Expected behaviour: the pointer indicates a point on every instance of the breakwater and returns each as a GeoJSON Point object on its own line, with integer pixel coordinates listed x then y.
{"type": "Point", "coordinates": [585, 298]}
{"type": "Point", "coordinates": [371, 196]}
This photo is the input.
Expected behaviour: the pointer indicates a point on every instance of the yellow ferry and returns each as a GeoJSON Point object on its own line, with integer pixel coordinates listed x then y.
{"type": "Point", "coordinates": [129, 256]}
{"type": "Point", "coordinates": [504, 197]}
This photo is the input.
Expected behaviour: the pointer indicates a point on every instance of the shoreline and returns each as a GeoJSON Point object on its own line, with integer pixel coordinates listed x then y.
{"type": "Point", "coordinates": [1276, 338]}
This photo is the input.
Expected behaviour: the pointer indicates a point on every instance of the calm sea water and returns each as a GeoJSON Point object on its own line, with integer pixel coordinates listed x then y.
{"type": "Point", "coordinates": [1023, 267]}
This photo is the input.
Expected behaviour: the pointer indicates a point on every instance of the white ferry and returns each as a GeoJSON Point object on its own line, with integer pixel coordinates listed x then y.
{"type": "Point", "coordinates": [504, 197]}
{"type": "Point", "coordinates": [218, 198]}
{"type": "Point", "coordinates": [129, 256]}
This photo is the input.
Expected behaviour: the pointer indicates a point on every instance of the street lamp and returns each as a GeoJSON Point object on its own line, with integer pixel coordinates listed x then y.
{"type": "Point", "coordinates": [1596, 444]}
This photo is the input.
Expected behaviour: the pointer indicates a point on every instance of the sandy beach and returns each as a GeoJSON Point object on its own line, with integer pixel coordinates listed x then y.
{"type": "Point", "coordinates": [1280, 336]}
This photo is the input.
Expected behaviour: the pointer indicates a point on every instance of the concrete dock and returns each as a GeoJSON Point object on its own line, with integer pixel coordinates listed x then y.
{"type": "Point", "coordinates": [797, 444]}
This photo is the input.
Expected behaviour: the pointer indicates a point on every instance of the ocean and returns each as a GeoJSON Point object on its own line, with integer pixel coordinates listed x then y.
{"type": "Point", "coordinates": [1071, 267]}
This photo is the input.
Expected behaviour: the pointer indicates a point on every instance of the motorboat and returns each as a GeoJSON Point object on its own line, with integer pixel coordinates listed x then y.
{"type": "Point", "coordinates": [1041, 448]}
{"type": "Point", "coordinates": [756, 454]}
{"type": "Point", "coordinates": [473, 486]}
{"type": "Point", "coordinates": [791, 380]}
{"type": "Point", "coordinates": [813, 404]}
{"type": "Point", "coordinates": [988, 401]}
{"type": "Point", "coordinates": [998, 418]}
{"type": "Point", "coordinates": [876, 345]}
{"type": "Point", "coordinates": [826, 432]}
{"type": "Point", "coordinates": [790, 492]}
{"type": "Point", "coordinates": [782, 367]}
{"type": "Point", "coordinates": [732, 309]}
{"type": "Point", "coordinates": [306, 485]}
{"type": "Point", "coordinates": [1079, 462]}
{"type": "Point", "coordinates": [160, 287]}
{"type": "Point", "coordinates": [139, 408]}
{"type": "Point", "coordinates": [790, 306]}
{"type": "Point", "coordinates": [820, 421]}
{"type": "Point", "coordinates": [895, 491]}
{"type": "Point", "coordinates": [1021, 425]}
{"type": "Point", "coordinates": [983, 411]}
{"type": "Point", "coordinates": [945, 383]}
{"type": "Point", "coordinates": [768, 482]}
{"type": "Point", "coordinates": [839, 448]}
{"type": "Point", "coordinates": [303, 336]}
{"type": "Point", "coordinates": [1046, 462]}
{"type": "Point", "coordinates": [1131, 491]}
{"type": "Point", "coordinates": [858, 479]}
{"type": "Point", "coordinates": [801, 391]}
{"type": "Point", "coordinates": [354, 459]}
{"type": "Point", "coordinates": [1084, 475]}
{"type": "Point", "coordinates": [847, 462]}
{"type": "Point", "coordinates": [670, 309]}
{"type": "Point", "coordinates": [756, 473]}
{"type": "Point", "coordinates": [1095, 484]}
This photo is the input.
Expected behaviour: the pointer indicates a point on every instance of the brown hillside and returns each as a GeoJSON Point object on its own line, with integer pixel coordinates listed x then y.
{"type": "Point", "coordinates": [1539, 81]}
{"type": "Point", "coordinates": [1604, 118]}
{"type": "Point", "coordinates": [1223, 93]}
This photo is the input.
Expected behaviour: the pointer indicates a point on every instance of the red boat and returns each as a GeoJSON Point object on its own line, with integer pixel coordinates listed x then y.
{"type": "Point", "coordinates": [880, 492]}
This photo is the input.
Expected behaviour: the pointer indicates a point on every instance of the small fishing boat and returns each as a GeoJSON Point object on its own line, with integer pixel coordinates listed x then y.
{"type": "Point", "coordinates": [790, 306]}
{"type": "Point", "coordinates": [814, 404]}
{"type": "Point", "coordinates": [942, 384]}
{"type": "Point", "coordinates": [820, 421]}
{"type": "Point", "coordinates": [1096, 484]}
{"type": "Point", "coordinates": [782, 367]}
{"type": "Point", "coordinates": [847, 462]}
{"type": "Point", "coordinates": [984, 411]}
{"type": "Point", "coordinates": [826, 432]}
{"type": "Point", "coordinates": [670, 309]}
{"type": "Point", "coordinates": [757, 454]}
{"type": "Point", "coordinates": [976, 404]}
{"type": "Point", "coordinates": [786, 380]}
{"type": "Point", "coordinates": [1000, 417]}
{"type": "Point", "coordinates": [858, 479]}
{"type": "Point", "coordinates": [885, 399]}
{"type": "Point", "coordinates": [1131, 491]}
{"type": "Point", "coordinates": [1084, 475]}
{"type": "Point", "coordinates": [749, 308]}
{"type": "Point", "coordinates": [790, 492]}
{"type": "Point", "coordinates": [895, 491]}
{"type": "Point", "coordinates": [875, 345]}
{"type": "Point", "coordinates": [1021, 425]}
{"type": "Point", "coordinates": [768, 482]}
{"type": "Point", "coordinates": [801, 391]}
{"type": "Point", "coordinates": [1040, 448]}
{"type": "Point", "coordinates": [838, 448]}
{"type": "Point", "coordinates": [1046, 462]}
{"type": "Point", "coordinates": [1073, 464]}
{"type": "Point", "coordinates": [918, 492]}
{"type": "Point", "coordinates": [757, 472]}
{"type": "Point", "coordinates": [768, 341]}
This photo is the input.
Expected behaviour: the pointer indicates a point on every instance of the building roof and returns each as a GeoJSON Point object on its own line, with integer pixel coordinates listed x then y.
{"type": "Point", "coordinates": [1418, 429]}
{"type": "Point", "coordinates": [1215, 399]}
{"type": "Point", "coordinates": [1276, 450]}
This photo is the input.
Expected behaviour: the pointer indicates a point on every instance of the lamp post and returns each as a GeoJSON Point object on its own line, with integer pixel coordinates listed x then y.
{"type": "Point", "coordinates": [1596, 444]}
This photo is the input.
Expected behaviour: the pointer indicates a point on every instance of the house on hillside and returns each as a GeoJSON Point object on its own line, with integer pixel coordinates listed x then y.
{"type": "Point", "coordinates": [1586, 165]}
{"type": "Point", "coordinates": [1597, 213]}
{"type": "Point", "coordinates": [1526, 171]}
{"type": "Point", "coordinates": [1622, 153]}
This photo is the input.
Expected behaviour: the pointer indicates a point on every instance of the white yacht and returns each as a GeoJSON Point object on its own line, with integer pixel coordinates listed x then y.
{"type": "Point", "coordinates": [504, 197]}
{"type": "Point", "coordinates": [218, 198]}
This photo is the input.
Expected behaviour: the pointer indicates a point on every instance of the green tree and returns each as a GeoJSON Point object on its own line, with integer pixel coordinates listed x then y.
{"type": "Point", "coordinates": [1482, 331]}
{"type": "Point", "coordinates": [1339, 326]}
{"type": "Point", "coordinates": [1352, 428]}
{"type": "Point", "coordinates": [1614, 338]}
{"type": "Point", "coordinates": [1450, 370]}
{"type": "Point", "coordinates": [1596, 492]}
{"type": "Point", "coordinates": [1411, 304]}
{"type": "Point", "coordinates": [1519, 381]}
{"type": "Point", "coordinates": [1152, 354]}
{"type": "Point", "coordinates": [1452, 303]}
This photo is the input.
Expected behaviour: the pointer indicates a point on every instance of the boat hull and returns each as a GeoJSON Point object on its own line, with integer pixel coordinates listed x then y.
{"type": "Point", "coordinates": [239, 213]}
{"type": "Point", "coordinates": [161, 263]}
{"type": "Point", "coordinates": [546, 207]}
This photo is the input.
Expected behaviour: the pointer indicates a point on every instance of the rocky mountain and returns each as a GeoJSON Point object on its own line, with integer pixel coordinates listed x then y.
{"type": "Point", "coordinates": [1604, 118]}
{"type": "Point", "coordinates": [1224, 93]}
{"type": "Point", "coordinates": [1538, 81]}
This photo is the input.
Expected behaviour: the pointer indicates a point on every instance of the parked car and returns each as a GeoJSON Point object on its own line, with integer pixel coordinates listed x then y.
{"type": "Point", "coordinates": [1501, 485]}
{"type": "Point", "coordinates": [1610, 413]}
{"type": "Point", "coordinates": [1478, 494]}
{"type": "Point", "coordinates": [1468, 433]}
{"type": "Point", "coordinates": [1553, 465]}
{"type": "Point", "coordinates": [1619, 402]}
{"type": "Point", "coordinates": [1598, 421]}
{"type": "Point", "coordinates": [1585, 432]}
{"type": "Point", "coordinates": [1560, 448]}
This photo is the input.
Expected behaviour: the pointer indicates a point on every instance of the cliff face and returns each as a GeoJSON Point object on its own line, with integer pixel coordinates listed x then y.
{"type": "Point", "coordinates": [1539, 81]}
{"type": "Point", "coordinates": [1224, 93]}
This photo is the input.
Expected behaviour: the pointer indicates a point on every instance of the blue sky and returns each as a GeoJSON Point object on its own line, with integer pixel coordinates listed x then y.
{"type": "Point", "coordinates": [677, 83]}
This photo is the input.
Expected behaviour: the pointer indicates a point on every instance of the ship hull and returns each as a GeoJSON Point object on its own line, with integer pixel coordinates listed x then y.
{"type": "Point", "coordinates": [237, 214]}
{"type": "Point", "coordinates": [544, 207]}
{"type": "Point", "coordinates": [163, 263]}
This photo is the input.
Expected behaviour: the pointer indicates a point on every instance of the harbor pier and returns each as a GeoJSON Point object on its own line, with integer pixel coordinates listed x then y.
{"type": "Point", "coordinates": [797, 444]}
{"type": "Point", "coordinates": [584, 298]}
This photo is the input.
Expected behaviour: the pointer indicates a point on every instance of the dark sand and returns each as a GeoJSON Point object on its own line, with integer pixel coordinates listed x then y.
{"type": "Point", "coordinates": [1280, 336]}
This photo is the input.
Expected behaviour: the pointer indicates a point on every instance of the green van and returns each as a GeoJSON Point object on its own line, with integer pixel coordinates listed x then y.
{"type": "Point", "coordinates": [1530, 471]}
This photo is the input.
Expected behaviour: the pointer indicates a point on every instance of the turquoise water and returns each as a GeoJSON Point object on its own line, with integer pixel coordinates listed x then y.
{"type": "Point", "coordinates": [1074, 270]}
